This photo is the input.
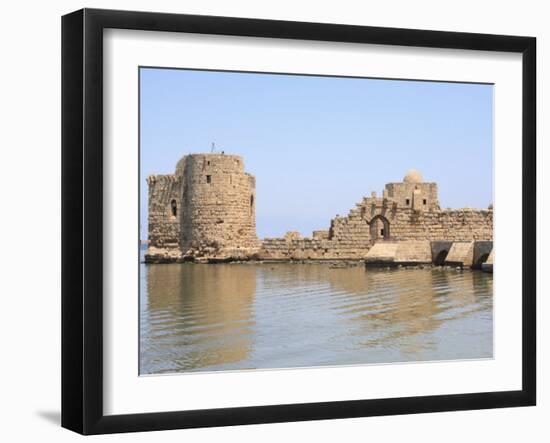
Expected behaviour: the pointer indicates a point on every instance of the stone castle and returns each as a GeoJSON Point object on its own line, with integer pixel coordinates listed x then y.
{"type": "Point", "coordinates": [205, 212]}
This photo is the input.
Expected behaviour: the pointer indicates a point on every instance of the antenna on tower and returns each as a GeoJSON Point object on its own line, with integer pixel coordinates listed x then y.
{"type": "Point", "coordinates": [213, 147]}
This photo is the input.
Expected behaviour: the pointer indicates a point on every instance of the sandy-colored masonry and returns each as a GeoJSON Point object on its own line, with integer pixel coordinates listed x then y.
{"type": "Point", "coordinates": [205, 212]}
{"type": "Point", "coordinates": [205, 209]}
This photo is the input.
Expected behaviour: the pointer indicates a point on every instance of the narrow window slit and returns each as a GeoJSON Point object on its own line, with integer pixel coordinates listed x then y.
{"type": "Point", "coordinates": [174, 207]}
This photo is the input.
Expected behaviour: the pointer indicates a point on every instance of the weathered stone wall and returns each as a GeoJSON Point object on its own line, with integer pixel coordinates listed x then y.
{"type": "Point", "coordinates": [403, 252]}
{"type": "Point", "coordinates": [352, 236]}
{"type": "Point", "coordinates": [164, 211]}
{"type": "Point", "coordinates": [321, 234]}
{"type": "Point", "coordinates": [413, 195]}
{"type": "Point", "coordinates": [455, 224]}
{"type": "Point", "coordinates": [207, 208]}
{"type": "Point", "coordinates": [219, 201]}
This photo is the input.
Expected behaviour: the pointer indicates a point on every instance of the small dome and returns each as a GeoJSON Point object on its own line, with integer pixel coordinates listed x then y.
{"type": "Point", "coordinates": [413, 176]}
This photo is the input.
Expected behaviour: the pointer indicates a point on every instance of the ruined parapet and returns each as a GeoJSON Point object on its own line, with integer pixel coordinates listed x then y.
{"type": "Point", "coordinates": [219, 217]}
{"type": "Point", "coordinates": [292, 235]}
{"type": "Point", "coordinates": [275, 249]}
{"type": "Point", "coordinates": [407, 211]}
{"type": "Point", "coordinates": [314, 249]}
{"type": "Point", "coordinates": [322, 234]}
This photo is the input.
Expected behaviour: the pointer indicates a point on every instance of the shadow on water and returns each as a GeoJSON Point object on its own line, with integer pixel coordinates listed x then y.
{"type": "Point", "coordinates": [239, 316]}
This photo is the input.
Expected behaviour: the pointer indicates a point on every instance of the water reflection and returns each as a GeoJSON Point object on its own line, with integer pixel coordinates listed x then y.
{"type": "Point", "coordinates": [196, 316]}
{"type": "Point", "coordinates": [231, 316]}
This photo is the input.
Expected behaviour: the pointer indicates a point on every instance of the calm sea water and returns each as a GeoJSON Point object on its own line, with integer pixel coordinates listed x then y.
{"type": "Point", "coordinates": [251, 316]}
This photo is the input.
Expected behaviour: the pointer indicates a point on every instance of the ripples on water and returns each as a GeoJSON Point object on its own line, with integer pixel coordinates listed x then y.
{"type": "Point", "coordinates": [245, 316]}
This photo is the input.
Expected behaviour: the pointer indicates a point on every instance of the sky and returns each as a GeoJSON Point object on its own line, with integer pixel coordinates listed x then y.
{"type": "Point", "coordinates": [316, 144]}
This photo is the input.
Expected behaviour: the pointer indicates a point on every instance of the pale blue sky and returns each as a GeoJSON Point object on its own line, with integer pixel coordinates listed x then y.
{"type": "Point", "coordinates": [317, 145]}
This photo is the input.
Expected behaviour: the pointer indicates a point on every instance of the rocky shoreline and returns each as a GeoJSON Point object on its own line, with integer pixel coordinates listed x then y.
{"type": "Point", "coordinates": [332, 264]}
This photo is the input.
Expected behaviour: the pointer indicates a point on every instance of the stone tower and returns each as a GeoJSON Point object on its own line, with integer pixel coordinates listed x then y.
{"type": "Point", "coordinates": [207, 208]}
{"type": "Point", "coordinates": [218, 201]}
{"type": "Point", "coordinates": [413, 192]}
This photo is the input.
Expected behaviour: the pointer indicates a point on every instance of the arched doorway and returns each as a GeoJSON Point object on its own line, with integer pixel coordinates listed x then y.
{"type": "Point", "coordinates": [379, 228]}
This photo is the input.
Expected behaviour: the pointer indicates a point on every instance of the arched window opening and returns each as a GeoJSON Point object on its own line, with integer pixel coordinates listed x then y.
{"type": "Point", "coordinates": [174, 207]}
{"type": "Point", "coordinates": [251, 203]}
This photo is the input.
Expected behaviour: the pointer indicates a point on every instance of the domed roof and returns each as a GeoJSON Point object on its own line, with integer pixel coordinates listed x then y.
{"type": "Point", "coordinates": [413, 176]}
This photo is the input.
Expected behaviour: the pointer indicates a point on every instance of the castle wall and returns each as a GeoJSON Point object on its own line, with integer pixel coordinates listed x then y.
{"type": "Point", "coordinates": [206, 211]}
{"type": "Point", "coordinates": [164, 226]}
{"type": "Point", "coordinates": [207, 208]}
{"type": "Point", "coordinates": [351, 237]}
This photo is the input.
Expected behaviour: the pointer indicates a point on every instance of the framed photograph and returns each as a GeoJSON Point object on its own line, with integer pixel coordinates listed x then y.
{"type": "Point", "coordinates": [268, 221]}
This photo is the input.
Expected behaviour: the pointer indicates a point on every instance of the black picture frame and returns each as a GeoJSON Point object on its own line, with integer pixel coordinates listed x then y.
{"type": "Point", "coordinates": [82, 215]}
